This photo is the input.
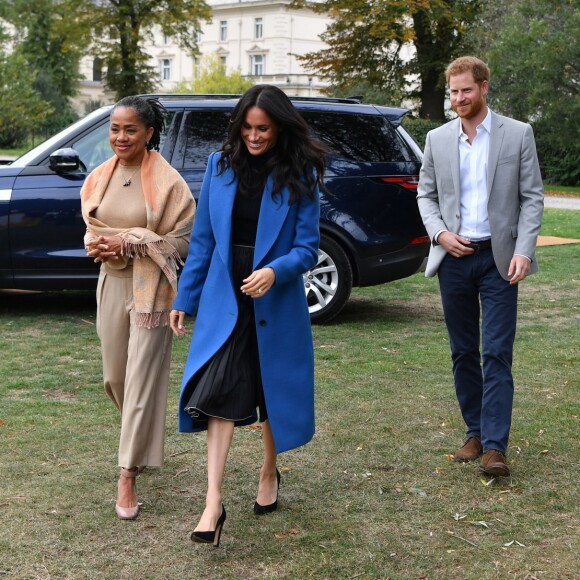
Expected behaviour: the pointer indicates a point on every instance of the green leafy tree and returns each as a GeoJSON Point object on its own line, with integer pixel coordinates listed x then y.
{"type": "Point", "coordinates": [120, 29]}
{"type": "Point", "coordinates": [22, 110]}
{"type": "Point", "coordinates": [534, 56]}
{"type": "Point", "coordinates": [212, 79]}
{"type": "Point", "coordinates": [369, 41]}
{"type": "Point", "coordinates": [48, 44]}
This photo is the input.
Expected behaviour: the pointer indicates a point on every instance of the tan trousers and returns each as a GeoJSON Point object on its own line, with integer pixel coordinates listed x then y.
{"type": "Point", "coordinates": [135, 370]}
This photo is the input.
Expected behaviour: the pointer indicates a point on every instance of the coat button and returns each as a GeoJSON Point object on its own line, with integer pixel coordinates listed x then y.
{"type": "Point", "coordinates": [262, 323]}
{"type": "Point", "coordinates": [457, 216]}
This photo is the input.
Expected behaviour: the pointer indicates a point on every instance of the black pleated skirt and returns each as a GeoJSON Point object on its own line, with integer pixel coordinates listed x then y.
{"type": "Point", "coordinates": [229, 385]}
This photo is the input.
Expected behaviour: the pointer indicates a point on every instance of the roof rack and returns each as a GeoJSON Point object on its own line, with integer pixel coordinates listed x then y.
{"type": "Point", "coordinates": [198, 96]}
{"type": "Point", "coordinates": [187, 96]}
{"type": "Point", "coordinates": [351, 100]}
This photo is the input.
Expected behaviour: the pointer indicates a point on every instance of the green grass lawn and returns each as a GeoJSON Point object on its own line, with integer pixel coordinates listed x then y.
{"type": "Point", "coordinates": [374, 495]}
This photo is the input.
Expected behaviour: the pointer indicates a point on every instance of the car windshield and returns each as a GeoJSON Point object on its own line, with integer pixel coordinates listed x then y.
{"type": "Point", "coordinates": [28, 157]}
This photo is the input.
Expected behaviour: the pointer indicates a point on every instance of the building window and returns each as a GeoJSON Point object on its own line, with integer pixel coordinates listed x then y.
{"type": "Point", "coordinates": [258, 28]}
{"type": "Point", "coordinates": [165, 69]}
{"type": "Point", "coordinates": [257, 65]}
{"type": "Point", "coordinates": [97, 70]}
{"type": "Point", "coordinates": [166, 39]}
{"type": "Point", "coordinates": [223, 30]}
{"type": "Point", "coordinates": [223, 62]}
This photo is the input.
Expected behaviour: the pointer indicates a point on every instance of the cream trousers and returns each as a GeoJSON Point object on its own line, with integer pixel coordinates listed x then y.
{"type": "Point", "coordinates": [135, 370]}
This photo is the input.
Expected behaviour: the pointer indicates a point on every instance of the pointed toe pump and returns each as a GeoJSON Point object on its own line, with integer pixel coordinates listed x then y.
{"type": "Point", "coordinates": [128, 513]}
{"type": "Point", "coordinates": [261, 510]}
{"type": "Point", "coordinates": [211, 537]}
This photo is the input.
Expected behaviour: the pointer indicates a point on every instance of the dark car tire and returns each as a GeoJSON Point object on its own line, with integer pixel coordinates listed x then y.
{"type": "Point", "coordinates": [329, 283]}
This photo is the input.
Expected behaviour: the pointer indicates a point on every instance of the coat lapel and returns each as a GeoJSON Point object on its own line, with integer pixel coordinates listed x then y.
{"type": "Point", "coordinates": [273, 212]}
{"type": "Point", "coordinates": [221, 203]}
{"type": "Point", "coordinates": [495, 142]}
{"type": "Point", "coordinates": [454, 159]}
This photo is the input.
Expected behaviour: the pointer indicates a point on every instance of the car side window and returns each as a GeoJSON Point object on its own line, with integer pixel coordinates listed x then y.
{"type": "Point", "coordinates": [203, 133]}
{"type": "Point", "coordinates": [94, 149]}
{"type": "Point", "coordinates": [358, 138]}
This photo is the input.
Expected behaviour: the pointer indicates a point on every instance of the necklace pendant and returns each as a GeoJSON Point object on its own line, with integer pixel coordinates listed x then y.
{"type": "Point", "coordinates": [127, 182]}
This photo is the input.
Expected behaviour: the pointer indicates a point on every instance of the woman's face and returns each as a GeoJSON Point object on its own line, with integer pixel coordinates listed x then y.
{"type": "Point", "coordinates": [128, 136]}
{"type": "Point", "coordinates": [259, 131]}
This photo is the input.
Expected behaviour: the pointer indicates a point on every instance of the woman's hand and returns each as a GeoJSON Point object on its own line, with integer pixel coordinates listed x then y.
{"type": "Point", "coordinates": [104, 248]}
{"type": "Point", "coordinates": [259, 282]}
{"type": "Point", "coordinates": [176, 322]}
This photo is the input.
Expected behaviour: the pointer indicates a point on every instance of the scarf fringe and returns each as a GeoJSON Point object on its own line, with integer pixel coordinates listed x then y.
{"type": "Point", "coordinates": [152, 319]}
{"type": "Point", "coordinates": [133, 249]}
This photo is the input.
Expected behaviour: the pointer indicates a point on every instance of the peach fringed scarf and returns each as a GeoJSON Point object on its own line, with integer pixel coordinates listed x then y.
{"type": "Point", "coordinates": [170, 213]}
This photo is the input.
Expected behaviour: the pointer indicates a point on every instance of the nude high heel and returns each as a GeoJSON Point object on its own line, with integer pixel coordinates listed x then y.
{"type": "Point", "coordinates": [128, 513]}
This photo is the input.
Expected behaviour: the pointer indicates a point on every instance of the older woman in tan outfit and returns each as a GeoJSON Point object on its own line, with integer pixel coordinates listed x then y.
{"type": "Point", "coordinates": [139, 214]}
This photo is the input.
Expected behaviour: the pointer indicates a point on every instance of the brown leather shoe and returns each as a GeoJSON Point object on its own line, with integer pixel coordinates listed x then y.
{"type": "Point", "coordinates": [470, 451]}
{"type": "Point", "coordinates": [493, 463]}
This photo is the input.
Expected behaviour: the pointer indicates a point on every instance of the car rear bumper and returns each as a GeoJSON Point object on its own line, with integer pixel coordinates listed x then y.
{"type": "Point", "coordinates": [383, 268]}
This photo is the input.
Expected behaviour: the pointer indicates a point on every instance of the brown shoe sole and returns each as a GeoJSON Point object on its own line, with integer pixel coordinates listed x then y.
{"type": "Point", "coordinates": [498, 469]}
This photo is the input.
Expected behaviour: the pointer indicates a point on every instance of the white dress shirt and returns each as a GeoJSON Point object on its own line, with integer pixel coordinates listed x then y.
{"type": "Point", "coordinates": [473, 157]}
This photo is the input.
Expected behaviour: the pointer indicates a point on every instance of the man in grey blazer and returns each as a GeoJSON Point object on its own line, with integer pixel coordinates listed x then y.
{"type": "Point", "coordinates": [481, 198]}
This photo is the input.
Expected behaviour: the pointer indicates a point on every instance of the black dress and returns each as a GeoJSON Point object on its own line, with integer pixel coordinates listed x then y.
{"type": "Point", "coordinates": [229, 385]}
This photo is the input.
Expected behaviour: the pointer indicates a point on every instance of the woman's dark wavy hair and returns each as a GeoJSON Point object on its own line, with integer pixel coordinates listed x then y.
{"type": "Point", "coordinates": [297, 160]}
{"type": "Point", "coordinates": [152, 114]}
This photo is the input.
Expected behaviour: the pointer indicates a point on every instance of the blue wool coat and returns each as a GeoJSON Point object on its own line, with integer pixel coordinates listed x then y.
{"type": "Point", "coordinates": [287, 241]}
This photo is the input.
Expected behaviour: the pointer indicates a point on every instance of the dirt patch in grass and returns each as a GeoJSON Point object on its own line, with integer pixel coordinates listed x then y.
{"type": "Point", "coordinates": [555, 241]}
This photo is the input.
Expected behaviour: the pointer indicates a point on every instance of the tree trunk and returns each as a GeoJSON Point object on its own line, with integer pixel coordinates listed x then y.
{"type": "Point", "coordinates": [431, 60]}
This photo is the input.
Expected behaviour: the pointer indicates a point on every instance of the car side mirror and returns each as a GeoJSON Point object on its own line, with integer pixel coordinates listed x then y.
{"type": "Point", "coordinates": [64, 160]}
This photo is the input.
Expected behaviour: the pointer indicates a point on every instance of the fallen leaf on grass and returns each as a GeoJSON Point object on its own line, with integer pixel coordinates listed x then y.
{"type": "Point", "coordinates": [487, 483]}
{"type": "Point", "coordinates": [481, 523]}
{"type": "Point", "coordinates": [2, 422]}
{"type": "Point", "coordinates": [419, 492]}
{"type": "Point", "coordinates": [284, 536]}
{"type": "Point", "coordinates": [449, 456]}
{"type": "Point", "coordinates": [544, 451]}
{"type": "Point", "coordinates": [458, 517]}
{"type": "Point", "coordinates": [87, 321]}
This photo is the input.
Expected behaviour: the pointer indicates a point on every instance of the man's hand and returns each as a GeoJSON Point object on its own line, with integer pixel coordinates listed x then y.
{"type": "Point", "coordinates": [454, 244]}
{"type": "Point", "coordinates": [519, 269]}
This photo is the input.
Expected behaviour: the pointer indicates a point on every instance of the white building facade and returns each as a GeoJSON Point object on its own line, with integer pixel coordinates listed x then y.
{"type": "Point", "coordinates": [260, 39]}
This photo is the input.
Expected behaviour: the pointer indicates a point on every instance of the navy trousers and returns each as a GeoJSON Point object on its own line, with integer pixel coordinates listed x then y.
{"type": "Point", "coordinates": [469, 286]}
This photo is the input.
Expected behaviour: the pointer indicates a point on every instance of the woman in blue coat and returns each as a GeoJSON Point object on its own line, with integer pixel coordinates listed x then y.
{"type": "Point", "coordinates": [255, 234]}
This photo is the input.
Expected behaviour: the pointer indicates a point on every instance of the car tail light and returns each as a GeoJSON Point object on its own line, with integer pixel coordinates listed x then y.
{"type": "Point", "coordinates": [406, 181]}
{"type": "Point", "coordinates": [420, 240]}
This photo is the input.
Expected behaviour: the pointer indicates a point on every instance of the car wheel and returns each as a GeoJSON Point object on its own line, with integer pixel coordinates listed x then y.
{"type": "Point", "coordinates": [329, 283]}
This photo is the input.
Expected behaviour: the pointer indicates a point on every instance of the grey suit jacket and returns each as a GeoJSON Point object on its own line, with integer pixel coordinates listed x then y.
{"type": "Point", "coordinates": [514, 186]}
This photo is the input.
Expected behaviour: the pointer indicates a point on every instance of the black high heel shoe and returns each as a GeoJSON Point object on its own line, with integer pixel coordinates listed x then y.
{"type": "Point", "coordinates": [261, 510]}
{"type": "Point", "coordinates": [211, 537]}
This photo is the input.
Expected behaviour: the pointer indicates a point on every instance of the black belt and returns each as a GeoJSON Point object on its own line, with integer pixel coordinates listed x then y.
{"type": "Point", "coordinates": [482, 245]}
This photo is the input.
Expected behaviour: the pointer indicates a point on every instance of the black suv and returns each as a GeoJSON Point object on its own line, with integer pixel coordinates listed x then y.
{"type": "Point", "coordinates": [371, 231]}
